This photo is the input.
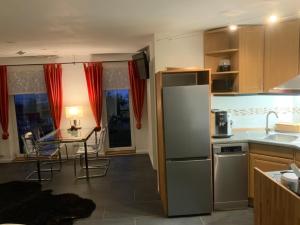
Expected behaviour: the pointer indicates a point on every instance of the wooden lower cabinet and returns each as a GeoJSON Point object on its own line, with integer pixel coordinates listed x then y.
{"type": "Point", "coordinates": [265, 163]}
{"type": "Point", "coordinates": [297, 158]}
{"type": "Point", "coordinates": [274, 203]}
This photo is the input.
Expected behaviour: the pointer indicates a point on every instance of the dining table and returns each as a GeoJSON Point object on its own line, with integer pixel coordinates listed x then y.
{"type": "Point", "coordinates": [65, 136]}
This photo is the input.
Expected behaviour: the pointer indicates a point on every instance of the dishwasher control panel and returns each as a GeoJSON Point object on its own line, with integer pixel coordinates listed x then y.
{"type": "Point", "coordinates": [230, 148]}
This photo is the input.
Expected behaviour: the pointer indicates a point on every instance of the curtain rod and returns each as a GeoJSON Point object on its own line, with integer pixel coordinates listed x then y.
{"type": "Point", "coordinates": [65, 63]}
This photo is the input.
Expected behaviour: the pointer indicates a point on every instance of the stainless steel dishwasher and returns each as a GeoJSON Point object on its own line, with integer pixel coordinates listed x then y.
{"type": "Point", "coordinates": [230, 176]}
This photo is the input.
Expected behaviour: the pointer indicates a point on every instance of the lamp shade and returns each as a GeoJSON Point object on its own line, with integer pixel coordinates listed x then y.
{"type": "Point", "coordinates": [74, 112]}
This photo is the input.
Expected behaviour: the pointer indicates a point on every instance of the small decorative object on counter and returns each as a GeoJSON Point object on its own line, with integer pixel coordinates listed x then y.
{"type": "Point", "coordinates": [291, 179]}
{"type": "Point", "coordinates": [224, 65]}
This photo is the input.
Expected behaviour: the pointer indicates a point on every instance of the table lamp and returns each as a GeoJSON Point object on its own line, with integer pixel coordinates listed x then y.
{"type": "Point", "coordinates": [73, 113]}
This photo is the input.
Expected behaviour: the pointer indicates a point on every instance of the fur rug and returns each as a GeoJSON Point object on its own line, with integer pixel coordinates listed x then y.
{"type": "Point", "coordinates": [26, 203]}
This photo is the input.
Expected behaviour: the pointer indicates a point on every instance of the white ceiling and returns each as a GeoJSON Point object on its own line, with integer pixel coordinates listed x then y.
{"type": "Point", "coordinates": [77, 27]}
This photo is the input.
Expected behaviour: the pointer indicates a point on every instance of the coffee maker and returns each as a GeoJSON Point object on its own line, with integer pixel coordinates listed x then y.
{"type": "Point", "coordinates": [222, 124]}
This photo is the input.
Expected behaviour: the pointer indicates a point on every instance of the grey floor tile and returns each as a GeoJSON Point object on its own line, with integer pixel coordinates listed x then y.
{"type": "Point", "coordinates": [129, 210]}
{"type": "Point", "coordinates": [122, 221]}
{"type": "Point", "coordinates": [126, 196]}
{"type": "Point", "coordinates": [235, 217]}
{"type": "Point", "coordinates": [168, 221]}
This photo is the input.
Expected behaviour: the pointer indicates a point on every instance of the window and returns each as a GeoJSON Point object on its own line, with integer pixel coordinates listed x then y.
{"type": "Point", "coordinates": [118, 118]}
{"type": "Point", "coordinates": [33, 114]}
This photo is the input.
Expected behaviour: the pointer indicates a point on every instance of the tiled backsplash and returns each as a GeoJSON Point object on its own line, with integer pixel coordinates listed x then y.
{"type": "Point", "coordinates": [250, 111]}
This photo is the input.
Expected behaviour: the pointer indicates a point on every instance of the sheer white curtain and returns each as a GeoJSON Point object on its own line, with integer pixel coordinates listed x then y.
{"type": "Point", "coordinates": [115, 76]}
{"type": "Point", "coordinates": [25, 80]}
{"type": "Point", "coordinates": [30, 79]}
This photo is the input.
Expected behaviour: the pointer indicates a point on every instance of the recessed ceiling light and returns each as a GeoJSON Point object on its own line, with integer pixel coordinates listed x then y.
{"type": "Point", "coordinates": [273, 19]}
{"type": "Point", "coordinates": [233, 27]}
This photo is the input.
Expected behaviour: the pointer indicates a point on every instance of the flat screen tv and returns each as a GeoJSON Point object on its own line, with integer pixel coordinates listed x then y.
{"type": "Point", "coordinates": [142, 64]}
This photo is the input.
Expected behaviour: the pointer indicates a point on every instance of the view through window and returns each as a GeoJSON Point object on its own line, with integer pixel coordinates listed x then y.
{"type": "Point", "coordinates": [33, 114]}
{"type": "Point", "coordinates": [118, 118]}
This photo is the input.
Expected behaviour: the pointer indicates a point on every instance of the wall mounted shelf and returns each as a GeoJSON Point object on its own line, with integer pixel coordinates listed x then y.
{"type": "Point", "coordinates": [232, 50]}
{"type": "Point", "coordinates": [225, 72]}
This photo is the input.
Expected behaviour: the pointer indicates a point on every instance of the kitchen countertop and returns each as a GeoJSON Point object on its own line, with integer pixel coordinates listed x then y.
{"type": "Point", "coordinates": [257, 137]}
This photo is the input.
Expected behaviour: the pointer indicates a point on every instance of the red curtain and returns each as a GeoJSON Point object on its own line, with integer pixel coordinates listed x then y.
{"type": "Point", "coordinates": [53, 80]}
{"type": "Point", "coordinates": [137, 87]}
{"type": "Point", "coordinates": [4, 101]}
{"type": "Point", "coordinates": [93, 75]}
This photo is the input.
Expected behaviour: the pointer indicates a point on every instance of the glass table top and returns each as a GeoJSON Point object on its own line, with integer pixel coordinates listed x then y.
{"type": "Point", "coordinates": [65, 135]}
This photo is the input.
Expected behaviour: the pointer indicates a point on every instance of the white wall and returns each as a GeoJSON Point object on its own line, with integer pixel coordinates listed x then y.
{"type": "Point", "coordinates": [152, 132]}
{"type": "Point", "coordinates": [169, 50]}
{"type": "Point", "coordinates": [74, 93]}
{"type": "Point", "coordinates": [8, 146]}
{"type": "Point", "coordinates": [178, 50]}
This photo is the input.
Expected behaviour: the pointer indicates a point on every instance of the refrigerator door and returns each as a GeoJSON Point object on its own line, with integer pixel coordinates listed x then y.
{"type": "Point", "coordinates": [186, 121]}
{"type": "Point", "coordinates": [189, 187]}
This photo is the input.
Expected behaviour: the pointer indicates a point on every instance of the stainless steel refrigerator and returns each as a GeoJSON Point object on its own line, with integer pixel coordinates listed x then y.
{"type": "Point", "coordinates": [187, 146]}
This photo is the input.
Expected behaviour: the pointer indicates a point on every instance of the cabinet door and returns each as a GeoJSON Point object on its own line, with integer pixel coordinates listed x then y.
{"type": "Point", "coordinates": [251, 58]}
{"type": "Point", "coordinates": [297, 158]}
{"type": "Point", "coordinates": [265, 163]}
{"type": "Point", "coordinates": [281, 53]}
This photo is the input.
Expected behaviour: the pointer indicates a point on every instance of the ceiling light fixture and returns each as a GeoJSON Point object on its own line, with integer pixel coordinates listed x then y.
{"type": "Point", "coordinates": [273, 19]}
{"type": "Point", "coordinates": [233, 27]}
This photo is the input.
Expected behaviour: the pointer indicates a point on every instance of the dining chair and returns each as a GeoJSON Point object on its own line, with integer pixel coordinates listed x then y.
{"type": "Point", "coordinates": [95, 153]}
{"type": "Point", "coordinates": [46, 154]}
{"type": "Point", "coordinates": [40, 133]}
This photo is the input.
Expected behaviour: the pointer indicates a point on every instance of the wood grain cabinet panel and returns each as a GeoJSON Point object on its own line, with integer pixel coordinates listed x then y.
{"type": "Point", "coordinates": [297, 157]}
{"type": "Point", "coordinates": [265, 163]}
{"type": "Point", "coordinates": [272, 150]}
{"type": "Point", "coordinates": [274, 203]}
{"type": "Point", "coordinates": [251, 58]}
{"type": "Point", "coordinates": [245, 50]}
{"type": "Point", "coordinates": [281, 53]}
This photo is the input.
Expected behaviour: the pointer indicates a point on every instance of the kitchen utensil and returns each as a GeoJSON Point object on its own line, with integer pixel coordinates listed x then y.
{"type": "Point", "coordinates": [290, 180]}
{"type": "Point", "coordinates": [295, 169]}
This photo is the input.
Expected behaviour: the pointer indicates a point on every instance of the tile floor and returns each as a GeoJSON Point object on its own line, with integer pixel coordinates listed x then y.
{"type": "Point", "coordinates": [126, 196]}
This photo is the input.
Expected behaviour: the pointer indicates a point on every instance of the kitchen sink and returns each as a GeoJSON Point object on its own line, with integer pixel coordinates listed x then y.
{"type": "Point", "coordinates": [281, 137]}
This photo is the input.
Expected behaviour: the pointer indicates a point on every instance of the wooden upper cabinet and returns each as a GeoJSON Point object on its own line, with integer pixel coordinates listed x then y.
{"type": "Point", "coordinates": [251, 57]}
{"type": "Point", "coordinates": [281, 53]}
{"type": "Point", "coordinates": [245, 50]}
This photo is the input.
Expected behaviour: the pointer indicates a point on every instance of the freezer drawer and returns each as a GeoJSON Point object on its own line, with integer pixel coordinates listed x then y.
{"type": "Point", "coordinates": [230, 181]}
{"type": "Point", "coordinates": [189, 187]}
{"type": "Point", "coordinates": [186, 121]}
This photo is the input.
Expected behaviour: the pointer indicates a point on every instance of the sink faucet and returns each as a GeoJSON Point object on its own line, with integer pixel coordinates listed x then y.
{"type": "Point", "coordinates": [267, 120]}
